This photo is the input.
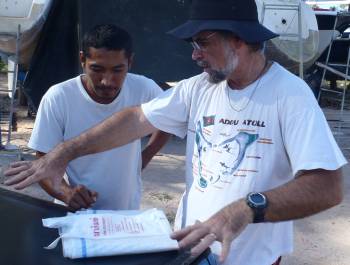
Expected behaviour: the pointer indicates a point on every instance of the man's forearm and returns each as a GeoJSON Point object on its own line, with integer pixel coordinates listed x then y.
{"type": "Point", "coordinates": [155, 143]}
{"type": "Point", "coordinates": [311, 192]}
{"type": "Point", "coordinates": [119, 129]}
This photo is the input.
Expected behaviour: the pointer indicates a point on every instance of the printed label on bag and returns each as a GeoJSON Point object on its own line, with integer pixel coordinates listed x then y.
{"type": "Point", "coordinates": [106, 226]}
{"type": "Point", "coordinates": [149, 223]}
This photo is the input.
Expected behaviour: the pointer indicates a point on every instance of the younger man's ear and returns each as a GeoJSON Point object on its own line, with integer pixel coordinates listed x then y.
{"type": "Point", "coordinates": [82, 58]}
{"type": "Point", "coordinates": [131, 61]}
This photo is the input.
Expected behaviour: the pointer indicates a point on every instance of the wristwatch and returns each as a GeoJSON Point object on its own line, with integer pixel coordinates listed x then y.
{"type": "Point", "coordinates": [258, 203]}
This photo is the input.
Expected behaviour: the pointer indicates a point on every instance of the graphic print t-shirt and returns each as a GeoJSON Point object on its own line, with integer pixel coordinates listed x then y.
{"type": "Point", "coordinates": [240, 141]}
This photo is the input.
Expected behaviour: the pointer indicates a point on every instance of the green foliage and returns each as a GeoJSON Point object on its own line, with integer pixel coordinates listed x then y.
{"type": "Point", "coordinates": [3, 66]}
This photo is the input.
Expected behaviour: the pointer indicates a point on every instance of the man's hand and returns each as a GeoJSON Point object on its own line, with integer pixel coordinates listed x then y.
{"type": "Point", "coordinates": [79, 197]}
{"type": "Point", "coordinates": [25, 173]}
{"type": "Point", "coordinates": [224, 226]}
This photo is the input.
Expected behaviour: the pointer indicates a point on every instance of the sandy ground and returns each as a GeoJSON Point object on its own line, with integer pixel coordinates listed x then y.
{"type": "Point", "coordinates": [323, 239]}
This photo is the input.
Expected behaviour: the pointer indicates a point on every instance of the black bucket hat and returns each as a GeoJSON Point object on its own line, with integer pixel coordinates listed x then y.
{"type": "Point", "coordinates": [237, 16]}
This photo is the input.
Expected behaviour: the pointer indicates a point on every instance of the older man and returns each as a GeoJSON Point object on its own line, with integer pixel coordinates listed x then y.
{"type": "Point", "coordinates": [259, 150]}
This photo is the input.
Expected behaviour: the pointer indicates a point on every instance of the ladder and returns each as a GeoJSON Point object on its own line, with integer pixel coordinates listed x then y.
{"type": "Point", "coordinates": [340, 69]}
{"type": "Point", "coordinates": [11, 90]}
{"type": "Point", "coordinates": [14, 15]}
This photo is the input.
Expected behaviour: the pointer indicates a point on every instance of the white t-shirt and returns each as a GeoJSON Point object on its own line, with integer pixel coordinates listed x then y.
{"type": "Point", "coordinates": [66, 110]}
{"type": "Point", "coordinates": [239, 141]}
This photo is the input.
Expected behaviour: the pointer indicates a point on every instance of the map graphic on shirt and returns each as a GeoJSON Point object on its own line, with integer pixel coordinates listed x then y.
{"type": "Point", "coordinates": [218, 161]}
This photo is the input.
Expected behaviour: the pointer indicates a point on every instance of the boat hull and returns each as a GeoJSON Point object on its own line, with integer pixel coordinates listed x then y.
{"type": "Point", "coordinates": [30, 28]}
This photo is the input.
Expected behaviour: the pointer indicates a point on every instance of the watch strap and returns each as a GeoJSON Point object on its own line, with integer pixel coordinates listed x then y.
{"type": "Point", "coordinates": [259, 216]}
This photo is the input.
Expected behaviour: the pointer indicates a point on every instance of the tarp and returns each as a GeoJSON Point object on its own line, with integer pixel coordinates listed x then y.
{"type": "Point", "coordinates": [56, 57]}
{"type": "Point", "coordinates": [23, 237]}
{"type": "Point", "coordinates": [157, 54]}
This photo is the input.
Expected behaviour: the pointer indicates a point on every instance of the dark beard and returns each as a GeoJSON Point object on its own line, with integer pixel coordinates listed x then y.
{"type": "Point", "coordinates": [216, 77]}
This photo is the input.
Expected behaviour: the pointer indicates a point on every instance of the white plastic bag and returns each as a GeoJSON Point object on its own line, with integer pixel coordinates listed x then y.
{"type": "Point", "coordinates": [104, 233]}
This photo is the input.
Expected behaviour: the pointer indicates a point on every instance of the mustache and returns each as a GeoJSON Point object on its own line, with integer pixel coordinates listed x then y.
{"type": "Point", "coordinates": [203, 64]}
{"type": "Point", "coordinates": [105, 87]}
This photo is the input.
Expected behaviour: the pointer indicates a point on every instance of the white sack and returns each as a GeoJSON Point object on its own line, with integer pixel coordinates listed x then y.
{"type": "Point", "coordinates": [104, 233]}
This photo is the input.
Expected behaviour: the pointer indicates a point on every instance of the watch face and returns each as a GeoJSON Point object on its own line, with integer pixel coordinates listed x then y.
{"type": "Point", "coordinates": [258, 199]}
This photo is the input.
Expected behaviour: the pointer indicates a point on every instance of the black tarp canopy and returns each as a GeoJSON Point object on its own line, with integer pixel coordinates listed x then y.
{"type": "Point", "coordinates": [157, 55]}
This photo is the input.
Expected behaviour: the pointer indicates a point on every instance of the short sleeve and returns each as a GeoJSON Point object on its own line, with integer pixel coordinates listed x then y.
{"type": "Point", "coordinates": [308, 139]}
{"type": "Point", "coordinates": [170, 110]}
{"type": "Point", "coordinates": [48, 128]}
{"type": "Point", "coordinates": [154, 90]}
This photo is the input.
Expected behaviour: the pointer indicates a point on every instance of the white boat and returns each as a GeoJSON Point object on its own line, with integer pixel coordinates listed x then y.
{"type": "Point", "coordinates": [282, 17]}
{"type": "Point", "coordinates": [326, 32]}
{"type": "Point", "coordinates": [30, 15]}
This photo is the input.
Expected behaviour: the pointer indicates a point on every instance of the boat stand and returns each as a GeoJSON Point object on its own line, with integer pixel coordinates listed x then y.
{"type": "Point", "coordinates": [341, 129]}
{"type": "Point", "coordinates": [11, 90]}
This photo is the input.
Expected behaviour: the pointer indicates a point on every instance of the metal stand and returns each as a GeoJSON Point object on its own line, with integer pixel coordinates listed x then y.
{"type": "Point", "coordinates": [340, 69]}
{"type": "Point", "coordinates": [12, 92]}
{"type": "Point", "coordinates": [334, 67]}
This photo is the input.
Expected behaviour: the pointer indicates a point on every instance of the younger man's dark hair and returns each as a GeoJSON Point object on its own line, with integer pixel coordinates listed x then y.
{"type": "Point", "coordinates": [107, 36]}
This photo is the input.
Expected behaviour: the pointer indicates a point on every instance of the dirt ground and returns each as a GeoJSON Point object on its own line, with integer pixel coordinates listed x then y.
{"type": "Point", "coordinates": [323, 239]}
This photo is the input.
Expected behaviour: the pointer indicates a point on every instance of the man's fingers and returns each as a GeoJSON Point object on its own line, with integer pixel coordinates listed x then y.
{"type": "Point", "coordinates": [25, 183]}
{"type": "Point", "coordinates": [22, 176]}
{"type": "Point", "coordinates": [203, 245]}
{"type": "Point", "coordinates": [180, 234]}
{"type": "Point", "coordinates": [193, 237]}
{"type": "Point", "coordinates": [77, 198]}
{"type": "Point", "coordinates": [74, 206]}
{"type": "Point", "coordinates": [197, 237]}
{"type": "Point", "coordinates": [225, 249]}
{"type": "Point", "coordinates": [19, 163]}
{"type": "Point", "coordinates": [81, 198]}
{"type": "Point", "coordinates": [16, 163]}
{"type": "Point", "coordinates": [93, 195]}
{"type": "Point", "coordinates": [16, 168]}
{"type": "Point", "coordinates": [85, 195]}
{"type": "Point", "coordinates": [14, 171]}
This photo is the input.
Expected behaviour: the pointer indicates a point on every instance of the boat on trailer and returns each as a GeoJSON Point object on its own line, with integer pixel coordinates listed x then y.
{"type": "Point", "coordinates": [25, 17]}
{"type": "Point", "coordinates": [31, 16]}
{"type": "Point", "coordinates": [297, 48]}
